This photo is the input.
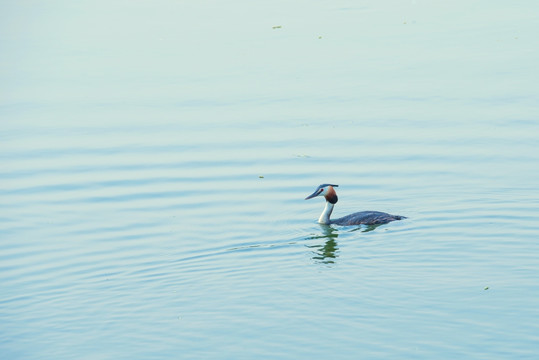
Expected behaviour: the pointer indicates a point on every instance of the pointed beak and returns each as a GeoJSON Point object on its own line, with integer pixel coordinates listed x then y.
{"type": "Point", "coordinates": [314, 194]}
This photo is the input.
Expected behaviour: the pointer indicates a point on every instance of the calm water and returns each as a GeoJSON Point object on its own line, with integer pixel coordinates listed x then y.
{"type": "Point", "coordinates": [155, 158]}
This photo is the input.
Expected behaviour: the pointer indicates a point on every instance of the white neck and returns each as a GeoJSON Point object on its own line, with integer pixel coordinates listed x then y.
{"type": "Point", "coordinates": [324, 218]}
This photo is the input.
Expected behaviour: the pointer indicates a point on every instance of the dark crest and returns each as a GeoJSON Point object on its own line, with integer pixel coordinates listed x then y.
{"type": "Point", "coordinates": [324, 185]}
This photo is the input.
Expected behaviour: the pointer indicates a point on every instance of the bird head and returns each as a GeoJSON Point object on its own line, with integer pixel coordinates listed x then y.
{"type": "Point", "coordinates": [327, 191]}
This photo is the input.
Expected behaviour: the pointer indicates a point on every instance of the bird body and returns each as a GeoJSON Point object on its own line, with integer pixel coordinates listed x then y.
{"type": "Point", "coordinates": [358, 218]}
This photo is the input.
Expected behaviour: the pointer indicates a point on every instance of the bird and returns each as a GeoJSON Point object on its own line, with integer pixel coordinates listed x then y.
{"type": "Point", "coordinates": [358, 218]}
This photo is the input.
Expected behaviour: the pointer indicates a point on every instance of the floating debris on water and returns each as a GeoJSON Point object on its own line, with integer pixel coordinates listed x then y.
{"type": "Point", "coordinates": [276, 27]}
{"type": "Point", "coordinates": [486, 288]}
{"type": "Point", "coordinates": [260, 176]}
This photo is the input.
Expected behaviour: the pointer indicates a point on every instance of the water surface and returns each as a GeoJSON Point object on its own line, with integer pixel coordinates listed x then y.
{"type": "Point", "coordinates": [155, 158]}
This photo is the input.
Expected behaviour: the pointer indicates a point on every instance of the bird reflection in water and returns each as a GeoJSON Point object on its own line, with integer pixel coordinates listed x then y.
{"type": "Point", "coordinates": [366, 228]}
{"type": "Point", "coordinates": [329, 251]}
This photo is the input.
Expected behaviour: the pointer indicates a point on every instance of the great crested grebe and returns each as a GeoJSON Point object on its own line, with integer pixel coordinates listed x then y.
{"type": "Point", "coordinates": [362, 217]}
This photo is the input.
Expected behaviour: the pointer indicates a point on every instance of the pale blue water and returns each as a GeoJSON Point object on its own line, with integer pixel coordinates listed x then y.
{"type": "Point", "coordinates": [155, 157]}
